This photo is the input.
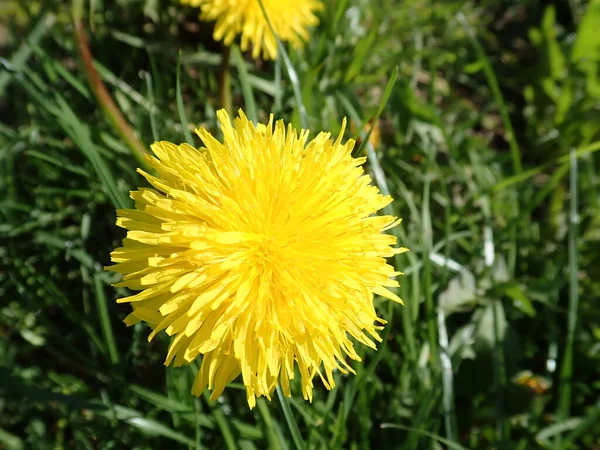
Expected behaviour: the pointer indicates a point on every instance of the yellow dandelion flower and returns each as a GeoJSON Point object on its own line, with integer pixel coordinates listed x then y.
{"type": "Point", "coordinates": [261, 253]}
{"type": "Point", "coordinates": [290, 19]}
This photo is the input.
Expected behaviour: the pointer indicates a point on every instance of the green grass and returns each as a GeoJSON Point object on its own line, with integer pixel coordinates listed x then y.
{"type": "Point", "coordinates": [489, 141]}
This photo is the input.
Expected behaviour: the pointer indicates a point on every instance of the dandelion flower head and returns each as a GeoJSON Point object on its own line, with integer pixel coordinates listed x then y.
{"type": "Point", "coordinates": [260, 253]}
{"type": "Point", "coordinates": [290, 20]}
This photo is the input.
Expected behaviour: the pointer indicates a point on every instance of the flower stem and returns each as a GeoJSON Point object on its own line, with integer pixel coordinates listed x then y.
{"type": "Point", "coordinates": [108, 106]}
{"type": "Point", "coordinates": [289, 418]}
{"type": "Point", "coordinates": [224, 81]}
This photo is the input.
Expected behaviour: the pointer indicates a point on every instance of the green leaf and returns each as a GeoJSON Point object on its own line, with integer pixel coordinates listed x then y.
{"type": "Point", "coordinates": [520, 300]}
{"type": "Point", "coordinates": [586, 50]}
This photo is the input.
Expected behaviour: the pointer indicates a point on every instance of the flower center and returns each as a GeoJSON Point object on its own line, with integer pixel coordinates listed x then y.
{"type": "Point", "coordinates": [268, 251]}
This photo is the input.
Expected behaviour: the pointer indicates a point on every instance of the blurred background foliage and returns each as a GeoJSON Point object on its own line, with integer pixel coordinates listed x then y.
{"type": "Point", "coordinates": [487, 140]}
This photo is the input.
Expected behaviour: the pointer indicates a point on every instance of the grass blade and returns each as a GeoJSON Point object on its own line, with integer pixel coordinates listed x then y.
{"type": "Point", "coordinates": [389, 87]}
{"type": "Point", "coordinates": [109, 108]}
{"type": "Point", "coordinates": [590, 420]}
{"type": "Point", "coordinates": [447, 378]}
{"type": "Point", "coordinates": [502, 425]}
{"type": "Point", "coordinates": [427, 242]}
{"type": "Point", "coordinates": [151, 113]}
{"type": "Point", "coordinates": [275, 440]}
{"type": "Point", "coordinates": [80, 134]}
{"type": "Point", "coordinates": [180, 107]}
{"type": "Point", "coordinates": [223, 424]}
{"type": "Point", "coordinates": [277, 82]}
{"type": "Point", "coordinates": [250, 104]}
{"type": "Point", "coordinates": [292, 74]}
{"type": "Point", "coordinates": [289, 418]}
{"type": "Point", "coordinates": [566, 373]}
{"type": "Point", "coordinates": [17, 62]}
{"type": "Point", "coordinates": [104, 316]}
{"type": "Point", "coordinates": [435, 437]}
{"type": "Point", "coordinates": [11, 386]}
{"type": "Point", "coordinates": [581, 151]}
{"type": "Point", "coordinates": [492, 80]}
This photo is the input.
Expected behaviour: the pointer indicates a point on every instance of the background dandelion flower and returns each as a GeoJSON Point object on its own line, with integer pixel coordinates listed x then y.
{"type": "Point", "coordinates": [290, 19]}
{"type": "Point", "coordinates": [260, 253]}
